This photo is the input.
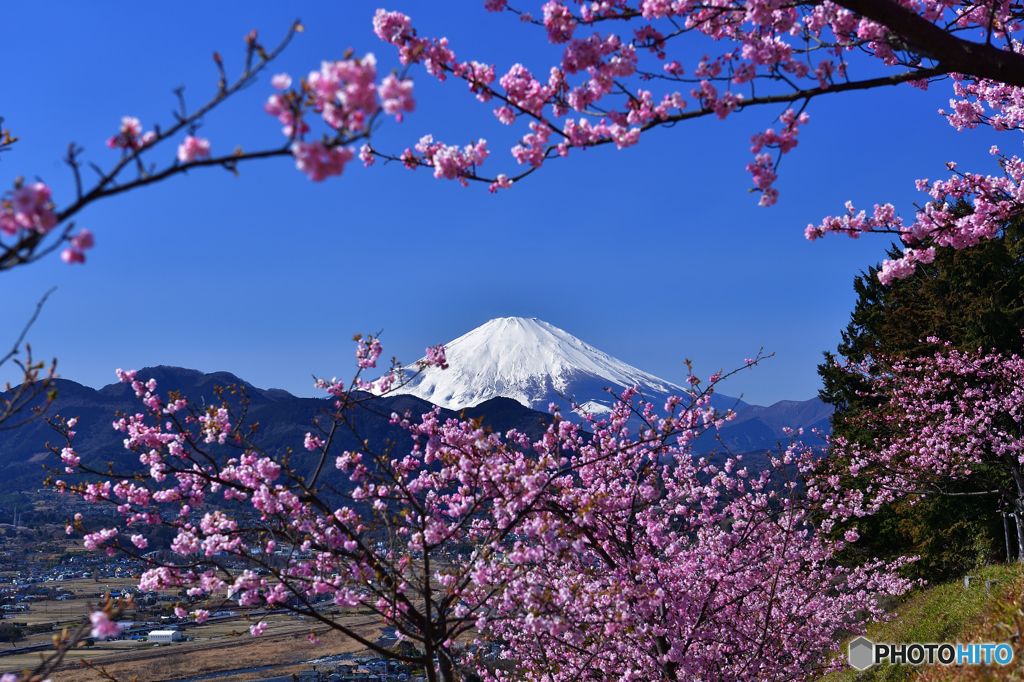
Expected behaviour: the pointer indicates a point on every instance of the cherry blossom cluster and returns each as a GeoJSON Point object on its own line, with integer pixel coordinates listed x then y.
{"type": "Point", "coordinates": [346, 96]}
{"type": "Point", "coordinates": [80, 243]}
{"type": "Point", "coordinates": [762, 168]}
{"type": "Point", "coordinates": [448, 161]}
{"type": "Point", "coordinates": [193, 149]}
{"type": "Point", "coordinates": [367, 352]}
{"type": "Point", "coordinates": [606, 544]}
{"type": "Point", "coordinates": [320, 161]}
{"type": "Point", "coordinates": [131, 139]}
{"type": "Point", "coordinates": [948, 417]}
{"type": "Point", "coordinates": [130, 136]}
{"type": "Point", "coordinates": [29, 210]}
{"type": "Point", "coordinates": [995, 200]}
{"type": "Point", "coordinates": [668, 566]}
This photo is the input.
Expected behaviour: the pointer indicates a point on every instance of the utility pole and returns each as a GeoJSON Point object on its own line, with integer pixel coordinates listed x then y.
{"type": "Point", "coordinates": [1006, 532]}
{"type": "Point", "coordinates": [1020, 535]}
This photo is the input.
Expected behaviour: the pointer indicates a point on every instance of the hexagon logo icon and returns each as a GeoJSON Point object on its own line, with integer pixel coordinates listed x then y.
{"type": "Point", "coordinates": [861, 653]}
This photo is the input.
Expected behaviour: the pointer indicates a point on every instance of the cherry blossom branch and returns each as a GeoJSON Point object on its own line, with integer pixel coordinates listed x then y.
{"type": "Point", "coordinates": [344, 93]}
{"type": "Point", "coordinates": [783, 46]}
{"type": "Point", "coordinates": [30, 215]}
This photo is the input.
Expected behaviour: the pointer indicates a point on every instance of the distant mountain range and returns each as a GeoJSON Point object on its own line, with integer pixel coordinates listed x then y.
{"type": "Point", "coordinates": [282, 417]}
{"type": "Point", "coordinates": [506, 372]}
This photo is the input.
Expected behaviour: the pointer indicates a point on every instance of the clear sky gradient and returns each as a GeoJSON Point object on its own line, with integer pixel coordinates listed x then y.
{"type": "Point", "coordinates": [653, 254]}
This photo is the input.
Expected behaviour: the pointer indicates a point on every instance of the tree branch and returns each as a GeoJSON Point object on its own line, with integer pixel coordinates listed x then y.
{"type": "Point", "coordinates": [28, 325]}
{"type": "Point", "coordinates": [952, 53]}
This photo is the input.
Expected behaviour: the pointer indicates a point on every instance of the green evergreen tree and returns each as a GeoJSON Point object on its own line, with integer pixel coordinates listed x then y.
{"type": "Point", "coordinates": [972, 298]}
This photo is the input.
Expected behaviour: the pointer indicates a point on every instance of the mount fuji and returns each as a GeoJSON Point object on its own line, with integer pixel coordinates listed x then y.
{"type": "Point", "coordinates": [536, 363]}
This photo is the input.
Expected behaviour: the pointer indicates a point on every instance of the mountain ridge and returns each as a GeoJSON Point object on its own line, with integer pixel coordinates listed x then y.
{"type": "Point", "coordinates": [513, 365]}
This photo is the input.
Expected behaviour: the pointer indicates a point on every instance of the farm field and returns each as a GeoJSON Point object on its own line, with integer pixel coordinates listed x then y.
{"type": "Point", "coordinates": [216, 650]}
{"type": "Point", "coordinates": [221, 644]}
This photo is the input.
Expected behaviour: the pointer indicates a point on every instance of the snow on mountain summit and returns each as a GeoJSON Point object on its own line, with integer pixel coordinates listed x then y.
{"type": "Point", "coordinates": [532, 362]}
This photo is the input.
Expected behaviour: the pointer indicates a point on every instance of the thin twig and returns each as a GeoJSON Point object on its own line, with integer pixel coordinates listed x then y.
{"type": "Point", "coordinates": [28, 325]}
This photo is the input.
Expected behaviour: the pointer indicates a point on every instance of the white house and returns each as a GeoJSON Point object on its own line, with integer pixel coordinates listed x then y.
{"type": "Point", "coordinates": [165, 635]}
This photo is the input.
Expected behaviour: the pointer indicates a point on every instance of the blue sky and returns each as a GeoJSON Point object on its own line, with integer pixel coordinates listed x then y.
{"type": "Point", "coordinates": [653, 254]}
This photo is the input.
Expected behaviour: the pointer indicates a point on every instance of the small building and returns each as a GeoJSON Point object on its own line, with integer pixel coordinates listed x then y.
{"type": "Point", "coordinates": [165, 635]}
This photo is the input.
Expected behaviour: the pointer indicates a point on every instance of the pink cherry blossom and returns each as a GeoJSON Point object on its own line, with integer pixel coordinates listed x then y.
{"type": "Point", "coordinates": [30, 209]}
{"type": "Point", "coordinates": [193, 148]}
{"type": "Point", "coordinates": [396, 96]}
{"type": "Point", "coordinates": [346, 96]}
{"type": "Point", "coordinates": [72, 256]}
{"type": "Point", "coordinates": [320, 162]}
{"type": "Point", "coordinates": [367, 353]}
{"type": "Point", "coordinates": [82, 241]}
{"type": "Point", "coordinates": [130, 136]}
{"type": "Point", "coordinates": [945, 415]}
{"type": "Point", "coordinates": [559, 22]}
{"type": "Point", "coordinates": [366, 155]}
{"type": "Point", "coordinates": [448, 161]}
{"type": "Point", "coordinates": [79, 244]}
{"type": "Point", "coordinates": [102, 626]}
{"type": "Point", "coordinates": [501, 182]}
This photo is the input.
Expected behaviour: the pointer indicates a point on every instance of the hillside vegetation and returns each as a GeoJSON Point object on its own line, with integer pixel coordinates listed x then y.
{"type": "Point", "coordinates": [947, 612]}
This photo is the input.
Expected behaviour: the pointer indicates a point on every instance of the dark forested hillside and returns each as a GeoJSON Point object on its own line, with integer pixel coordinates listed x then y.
{"type": "Point", "coordinates": [283, 419]}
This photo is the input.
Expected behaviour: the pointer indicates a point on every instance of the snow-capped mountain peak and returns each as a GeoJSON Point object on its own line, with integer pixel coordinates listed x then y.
{"type": "Point", "coordinates": [532, 362]}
